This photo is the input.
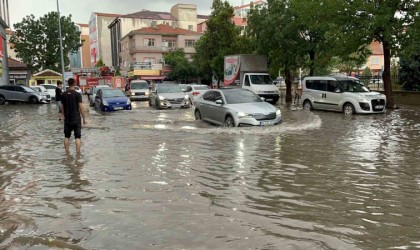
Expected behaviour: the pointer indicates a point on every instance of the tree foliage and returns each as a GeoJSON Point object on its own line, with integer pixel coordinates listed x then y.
{"type": "Point", "coordinates": [36, 41]}
{"type": "Point", "coordinates": [182, 69]}
{"type": "Point", "coordinates": [221, 38]}
{"type": "Point", "coordinates": [385, 22]}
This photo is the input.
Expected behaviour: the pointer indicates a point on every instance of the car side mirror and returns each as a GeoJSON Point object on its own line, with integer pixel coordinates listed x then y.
{"type": "Point", "coordinates": [219, 102]}
{"type": "Point", "coordinates": [263, 99]}
{"type": "Point", "coordinates": [337, 91]}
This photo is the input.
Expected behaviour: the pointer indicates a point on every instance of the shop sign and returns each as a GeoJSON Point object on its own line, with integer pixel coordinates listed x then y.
{"type": "Point", "coordinates": [146, 72]}
{"type": "Point", "coordinates": [142, 65]}
{"type": "Point", "coordinates": [18, 76]}
{"type": "Point", "coordinates": [85, 70]}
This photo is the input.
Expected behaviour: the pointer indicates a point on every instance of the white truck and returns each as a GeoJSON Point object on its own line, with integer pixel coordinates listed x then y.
{"type": "Point", "coordinates": [250, 72]}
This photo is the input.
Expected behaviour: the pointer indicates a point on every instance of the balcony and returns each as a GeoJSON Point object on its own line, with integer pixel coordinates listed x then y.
{"type": "Point", "coordinates": [148, 49]}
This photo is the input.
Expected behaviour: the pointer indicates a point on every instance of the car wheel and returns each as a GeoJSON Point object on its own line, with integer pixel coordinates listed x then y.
{"type": "Point", "coordinates": [229, 122]}
{"type": "Point", "coordinates": [307, 105]}
{"type": "Point", "coordinates": [197, 114]}
{"type": "Point", "coordinates": [348, 109]}
{"type": "Point", "coordinates": [33, 100]}
{"type": "Point", "coordinates": [2, 100]}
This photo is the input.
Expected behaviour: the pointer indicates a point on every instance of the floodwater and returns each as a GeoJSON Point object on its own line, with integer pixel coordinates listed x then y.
{"type": "Point", "coordinates": [152, 179]}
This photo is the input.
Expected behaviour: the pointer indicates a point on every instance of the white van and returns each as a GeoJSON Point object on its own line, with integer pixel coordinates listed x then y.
{"type": "Point", "coordinates": [262, 85]}
{"type": "Point", "coordinates": [342, 94]}
{"type": "Point", "coordinates": [139, 90]}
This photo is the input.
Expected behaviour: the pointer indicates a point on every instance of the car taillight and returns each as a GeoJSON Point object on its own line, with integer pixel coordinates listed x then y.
{"type": "Point", "coordinates": [195, 93]}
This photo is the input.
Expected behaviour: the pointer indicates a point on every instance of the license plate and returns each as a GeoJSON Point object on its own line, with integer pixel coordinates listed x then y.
{"type": "Point", "coordinates": [265, 123]}
{"type": "Point", "coordinates": [118, 108]}
{"type": "Point", "coordinates": [379, 106]}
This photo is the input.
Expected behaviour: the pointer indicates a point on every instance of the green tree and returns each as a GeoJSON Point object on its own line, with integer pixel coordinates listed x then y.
{"type": "Point", "coordinates": [100, 63]}
{"type": "Point", "coordinates": [367, 74]}
{"type": "Point", "coordinates": [36, 41]}
{"type": "Point", "coordinates": [182, 69]}
{"type": "Point", "coordinates": [221, 38]}
{"type": "Point", "coordinates": [385, 22]}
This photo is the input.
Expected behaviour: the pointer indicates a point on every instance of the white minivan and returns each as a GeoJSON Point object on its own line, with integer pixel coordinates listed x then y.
{"type": "Point", "coordinates": [342, 94]}
{"type": "Point", "coordinates": [262, 85]}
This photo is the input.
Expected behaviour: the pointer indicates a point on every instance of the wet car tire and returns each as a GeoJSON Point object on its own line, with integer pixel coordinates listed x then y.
{"type": "Point", "coordinates": [2, 100]}
{"type": "Point", "coordinates": [307, 105]}
{"type": "Point", "coordinates": [229, 122]}
{"type": "Point", "coordinates": [33, 100]}
{"type": "Point", "coordinates": [348, 109]}
{"type": "Point", "coordinates": [197, 114]}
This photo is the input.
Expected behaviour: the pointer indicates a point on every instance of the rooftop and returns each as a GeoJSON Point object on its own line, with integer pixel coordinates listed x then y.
{"type": "Point", "coordinates": [16, 64]}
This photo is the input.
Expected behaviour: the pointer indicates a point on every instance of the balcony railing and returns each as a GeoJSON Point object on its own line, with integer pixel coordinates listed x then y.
{"type": "Point", "coordinates": [135, 49]}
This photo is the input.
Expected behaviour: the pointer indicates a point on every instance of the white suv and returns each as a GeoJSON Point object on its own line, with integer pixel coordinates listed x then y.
{"type": "Point", "coordinates": [340, 93]}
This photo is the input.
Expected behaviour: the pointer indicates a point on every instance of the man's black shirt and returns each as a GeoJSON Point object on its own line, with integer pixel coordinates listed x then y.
{"type": "Point", "coordinates": [70, 101]}
{"type": "Point", "coordinates": [58, 93]}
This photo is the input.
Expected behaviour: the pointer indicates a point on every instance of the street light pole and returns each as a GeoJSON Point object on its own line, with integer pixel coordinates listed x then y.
{"type": "Point", "coordinates": [61, 45]}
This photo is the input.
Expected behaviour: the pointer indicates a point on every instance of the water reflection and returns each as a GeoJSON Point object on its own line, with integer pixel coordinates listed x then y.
{"type": "Point", "coordinates": [321, 180]}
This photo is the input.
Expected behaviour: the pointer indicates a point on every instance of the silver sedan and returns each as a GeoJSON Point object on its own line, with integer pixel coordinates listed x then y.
{"type": "Point", "coordinates": [235, 107]}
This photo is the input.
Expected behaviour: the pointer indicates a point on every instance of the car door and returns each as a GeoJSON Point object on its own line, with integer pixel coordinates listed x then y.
{"type": "Point", "coordinates": [332, 96]}
{"type": "Point", "coordinates": [206, 105]}
{"type": "Point", "coordinates": [10, 92]}
{"type": "Point", "coordinates": [21, 94]}
{"type": "Point", "coordinates": [320, 87]}
{"type": "Point", "coordinates": [218, 110]}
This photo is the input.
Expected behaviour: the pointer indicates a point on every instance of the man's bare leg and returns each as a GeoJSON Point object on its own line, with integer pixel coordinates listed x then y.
{"type": "Point", "coordinates": [67, 145]}
{"type": "Point", "coordinates": [78, 145]}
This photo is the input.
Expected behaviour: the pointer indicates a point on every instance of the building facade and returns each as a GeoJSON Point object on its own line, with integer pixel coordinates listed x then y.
{"type": "Point", "coordinates": [4, 24]}
{"type": "Point", "coordinates": [149, 46]}
{"type": "Point", "coordinates": [100, 38]}
{"type": "Point", "coordinates": [81, 59]}
{"type": "Point", "coordinates": [182, 16]}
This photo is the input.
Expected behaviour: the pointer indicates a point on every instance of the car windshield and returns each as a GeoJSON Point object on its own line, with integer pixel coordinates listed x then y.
{"type": "Point", "coordinates": [27, 89]}
{"type": "Point", "coordinates": [352, 86]}
{"type": "Point", "coordinates": [139, 85]}
{"type": "Point", "coordinates": [240, 96]}
{"type": "Point", "coordinates": [261, 79]}
{"type": "Point", "coordinates": [201, 87]}
{"type": "Point", "coordinates": [112, 93]}
{"type": "Point", "coordinates": [168, 89]}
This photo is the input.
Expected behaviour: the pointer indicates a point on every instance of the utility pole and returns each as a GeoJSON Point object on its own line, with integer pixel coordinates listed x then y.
{"type": "Point", "coordinates": [61, 46]}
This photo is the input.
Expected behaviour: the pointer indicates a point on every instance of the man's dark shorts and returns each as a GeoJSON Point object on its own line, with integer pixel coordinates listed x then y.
{"type": "Point", "coordinates": [77, 128]}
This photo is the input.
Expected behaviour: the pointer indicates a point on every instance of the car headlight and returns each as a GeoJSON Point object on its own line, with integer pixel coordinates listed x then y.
{"type": "Point", "coordinates": [278, 112]}
{"type": "Point", "coordinates": [105, 103]}
{"type": "Point", "coordinates": [132, 93]}
{"type": "Point", "coordinates": [186, 97]}
{"type": "Point", "coordinates": [146, 93]}
{"type": "Point", "coordinates": [161, 98]}
{"type": "Point", "coordinates": [242, 114]}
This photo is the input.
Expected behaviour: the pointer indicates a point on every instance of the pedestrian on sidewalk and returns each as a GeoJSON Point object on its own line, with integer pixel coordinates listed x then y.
{"type": "Point", "coordinates": [72, 107]}
{"type": "Point", "coordinates": [58, 93]}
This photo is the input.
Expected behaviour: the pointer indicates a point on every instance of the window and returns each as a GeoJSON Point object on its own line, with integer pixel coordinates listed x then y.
{"type": "Point", "coordinates": [189, 43]}
{"type": "Point", "coordinates": [209, 96]}
{"type": "Point", "coordinates": [332, 86]}
{"type": "Point", "coordinates": [169, 43]}
{"type": "Point", "coordinates": [247, 83]}
{"type": "Point", "coordinates": [149, 42]}
{"type": "Point", "coordinates": [190, 27]}
{"type": "Point", "coordinates": [316, 84]}
{"type": "Point", "coordinates": [149, 59]}
{"type": "Point", "coordinates": [375, 60]}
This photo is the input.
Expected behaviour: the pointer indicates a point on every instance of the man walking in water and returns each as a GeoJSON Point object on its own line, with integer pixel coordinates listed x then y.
{"type": "Point", "coordinates": [58, 93]}
{"type": "Point", "coordinates": [72, 108]}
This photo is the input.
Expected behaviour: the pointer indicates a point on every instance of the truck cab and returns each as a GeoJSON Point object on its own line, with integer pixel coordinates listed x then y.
{"type": "Point", "coordinates": [262, 85]}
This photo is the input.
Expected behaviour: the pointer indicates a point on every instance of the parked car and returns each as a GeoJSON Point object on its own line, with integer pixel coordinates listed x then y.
{"type": "Point", "coordinates": [92, 93]}
{"type": "Point", "coordinates": [77, 89]}
{"type": "Point", "coordinates": [342, 94]}
{"type": "Point", "coordinates": [235, 107]}
{"type": "Point", "coordinates": [194, 91]}
{"type": "Point", "coordinates": [19, 93]}
{"type": "Point", "coordinates": [51, 89]}
{"type": "Point", "coordinates": [110, 99]}
{"type": "Point", "coordinates": [139, 90]}
{"type": "Point", "coordinates": [168, 96]}
{"type": "Point", "coordinates": [43, 91]}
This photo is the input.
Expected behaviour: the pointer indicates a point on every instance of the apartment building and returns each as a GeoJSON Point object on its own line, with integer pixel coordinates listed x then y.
{"type": "Point", "coordinates": [4, 24]}
{"type": "Point", "coordinates": [149, 45]}
{"type": "Point", "coordinates": [81, 59]}
{"type": "Point", "coordinates": [100, 37]}
{"type": "Point", "coordinates": [182, 16]}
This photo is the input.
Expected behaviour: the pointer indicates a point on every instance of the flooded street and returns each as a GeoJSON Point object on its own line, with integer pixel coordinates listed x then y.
{"type": "Point", "coordinates": [151, 179]}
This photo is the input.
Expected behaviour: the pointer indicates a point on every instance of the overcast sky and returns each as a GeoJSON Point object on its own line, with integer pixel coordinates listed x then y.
{"type": "Point", "coordinates": [81, 9]}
